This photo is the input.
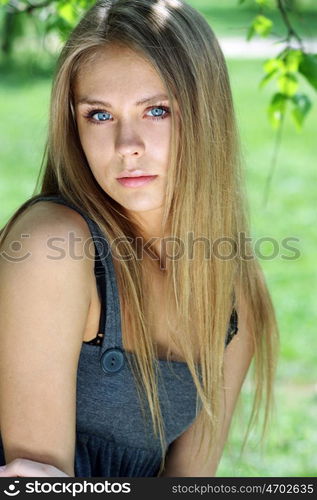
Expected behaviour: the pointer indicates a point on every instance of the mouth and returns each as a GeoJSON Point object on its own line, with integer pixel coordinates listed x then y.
{"type": "Point", "coordinates": [136, 181]}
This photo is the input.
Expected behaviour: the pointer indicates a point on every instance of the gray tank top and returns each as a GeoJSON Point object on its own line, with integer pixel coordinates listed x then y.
{"type": "Point", "coordinates": [113, 436]}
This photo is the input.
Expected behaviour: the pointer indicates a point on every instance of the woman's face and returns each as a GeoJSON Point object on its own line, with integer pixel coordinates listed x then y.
{"type": "Point", "coordinates": [124, 123]}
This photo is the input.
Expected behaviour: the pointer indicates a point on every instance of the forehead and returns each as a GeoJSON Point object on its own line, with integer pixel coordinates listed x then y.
{"type": "Point", "coordinates": [117, 68]}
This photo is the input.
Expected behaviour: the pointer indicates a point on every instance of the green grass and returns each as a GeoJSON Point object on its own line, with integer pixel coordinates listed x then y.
{"type": "Point", "coordinates": [23, 127]}
{"type": "Point", "coordinates": [291, 212]}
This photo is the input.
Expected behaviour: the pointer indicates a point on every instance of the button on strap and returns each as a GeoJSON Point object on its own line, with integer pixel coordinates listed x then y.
{"type": "Point", "coordinates": [112, 360]}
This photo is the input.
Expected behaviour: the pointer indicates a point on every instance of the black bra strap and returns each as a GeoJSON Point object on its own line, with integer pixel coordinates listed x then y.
{"type": "Point", "coordinates": [233, 327]}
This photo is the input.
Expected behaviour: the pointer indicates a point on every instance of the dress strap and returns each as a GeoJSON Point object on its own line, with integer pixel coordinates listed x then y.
{"type": "Point", "coordinates": [110, 318]}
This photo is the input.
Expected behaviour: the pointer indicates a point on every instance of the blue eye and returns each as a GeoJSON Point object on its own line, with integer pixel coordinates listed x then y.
{"type": "Point", "coordinates": [159, 112]}
{"type": "Point", "coordinates": [100, 116]}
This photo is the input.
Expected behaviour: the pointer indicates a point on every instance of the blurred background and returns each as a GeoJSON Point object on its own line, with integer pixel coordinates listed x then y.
{"type": "Point", "coordinates": [29, 48]}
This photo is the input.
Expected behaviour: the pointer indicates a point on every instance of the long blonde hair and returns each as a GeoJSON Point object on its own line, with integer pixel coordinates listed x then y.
{"type": "Point", "coordinates": [205, 195]}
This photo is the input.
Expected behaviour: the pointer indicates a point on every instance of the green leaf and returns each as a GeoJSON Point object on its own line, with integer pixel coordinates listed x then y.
{"type": "Point", "coordinates": [67, 12]}
{"type": "Point", "coordinates": [267, 78]}
{"type": "Point", "coordinates": [308, 68]}
{"type": "Point", "coordinates": [262, 3]}
{"type": "Point", "coordinates": [288, 84]}
{"type": "Point", "coordinates": [273, 64]}
{"type": "Point", "coordinates": [292, 60]}
{"type": "Point", "coordinates": [251, 32]}
{"type": "Point", "coordinates": [277, 109]}
{"type": "Point", "coordinates": [302, 105]}
{"type": "Point", "coordinates": [85, 3]}
{"type": "Point", "coordinates": [241, 2]}
{"type": "Point", "coordinates": [262, 25]}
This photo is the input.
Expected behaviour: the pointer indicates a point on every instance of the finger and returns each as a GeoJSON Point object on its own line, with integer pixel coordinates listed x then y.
{"type": "Point", "coordinates": [22, 467]}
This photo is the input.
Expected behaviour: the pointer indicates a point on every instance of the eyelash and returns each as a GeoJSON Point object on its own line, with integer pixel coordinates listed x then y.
{"type": "Point", "coordinates": [89, 114]}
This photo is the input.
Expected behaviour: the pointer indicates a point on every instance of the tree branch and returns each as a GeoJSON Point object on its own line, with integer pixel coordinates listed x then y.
{"type": "Point", "coordinates": [290, 30]}
{"type": "Point", "coordinates": [277, 145]}
{"type": "Point", "coordinates": [32, 7]}
{"type": "Point", "coordinates": [15, 7]}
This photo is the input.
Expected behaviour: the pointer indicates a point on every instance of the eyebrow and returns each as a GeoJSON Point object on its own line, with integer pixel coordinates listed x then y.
{"type": "Point", "coordinates": [98, 102]}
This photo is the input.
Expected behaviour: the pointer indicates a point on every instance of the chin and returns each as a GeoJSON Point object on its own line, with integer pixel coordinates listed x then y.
{"type": "Point", "coordinates": [140, 208]}
{"type": "Point", "coordinates": [136, 204]}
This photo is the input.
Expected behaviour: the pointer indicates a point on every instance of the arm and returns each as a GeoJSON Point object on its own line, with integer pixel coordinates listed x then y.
{"type": "Point", "coordinates": [43, 309]}
{"type": "Point", "coordinates": [237, 359]}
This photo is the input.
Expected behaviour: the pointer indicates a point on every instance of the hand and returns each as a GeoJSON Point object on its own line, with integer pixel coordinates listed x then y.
{"type": "Point", "coordinates": [21, 467]}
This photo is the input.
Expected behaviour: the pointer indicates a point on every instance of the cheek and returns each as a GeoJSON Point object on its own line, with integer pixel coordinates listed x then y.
{"type": "Point", "coordinates": [158, 142]}
{"type": "Point", "coordinates": [96, 145]}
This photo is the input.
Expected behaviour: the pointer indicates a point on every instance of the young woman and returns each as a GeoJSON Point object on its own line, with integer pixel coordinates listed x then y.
{"type": "Point", "coordinates": [131, 302]}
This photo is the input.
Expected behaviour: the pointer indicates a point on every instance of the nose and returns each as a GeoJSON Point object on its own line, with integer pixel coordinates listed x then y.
{"type": "Point", "coordinates": [129, 141]}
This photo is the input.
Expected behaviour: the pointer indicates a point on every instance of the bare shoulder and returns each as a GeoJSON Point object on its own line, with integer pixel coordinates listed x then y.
{"type": "Point", "coordinates": [45, 296]}
{"type": "Point", "coordinates": [49, 228]}
{"type": "Point", "coordinates": [43, 216]}
{"type": "Point", "coordinates": [55, 213]}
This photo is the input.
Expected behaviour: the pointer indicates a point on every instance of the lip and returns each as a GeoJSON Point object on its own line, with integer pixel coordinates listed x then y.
{"type": "Point", "coordinates": [136, 181]}
{"type": "Point", "coordinates": [133, 173]}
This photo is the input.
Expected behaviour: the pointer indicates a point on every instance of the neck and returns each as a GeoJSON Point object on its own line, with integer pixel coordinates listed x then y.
{"type": "Point", "coordinates": [153, 234]}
